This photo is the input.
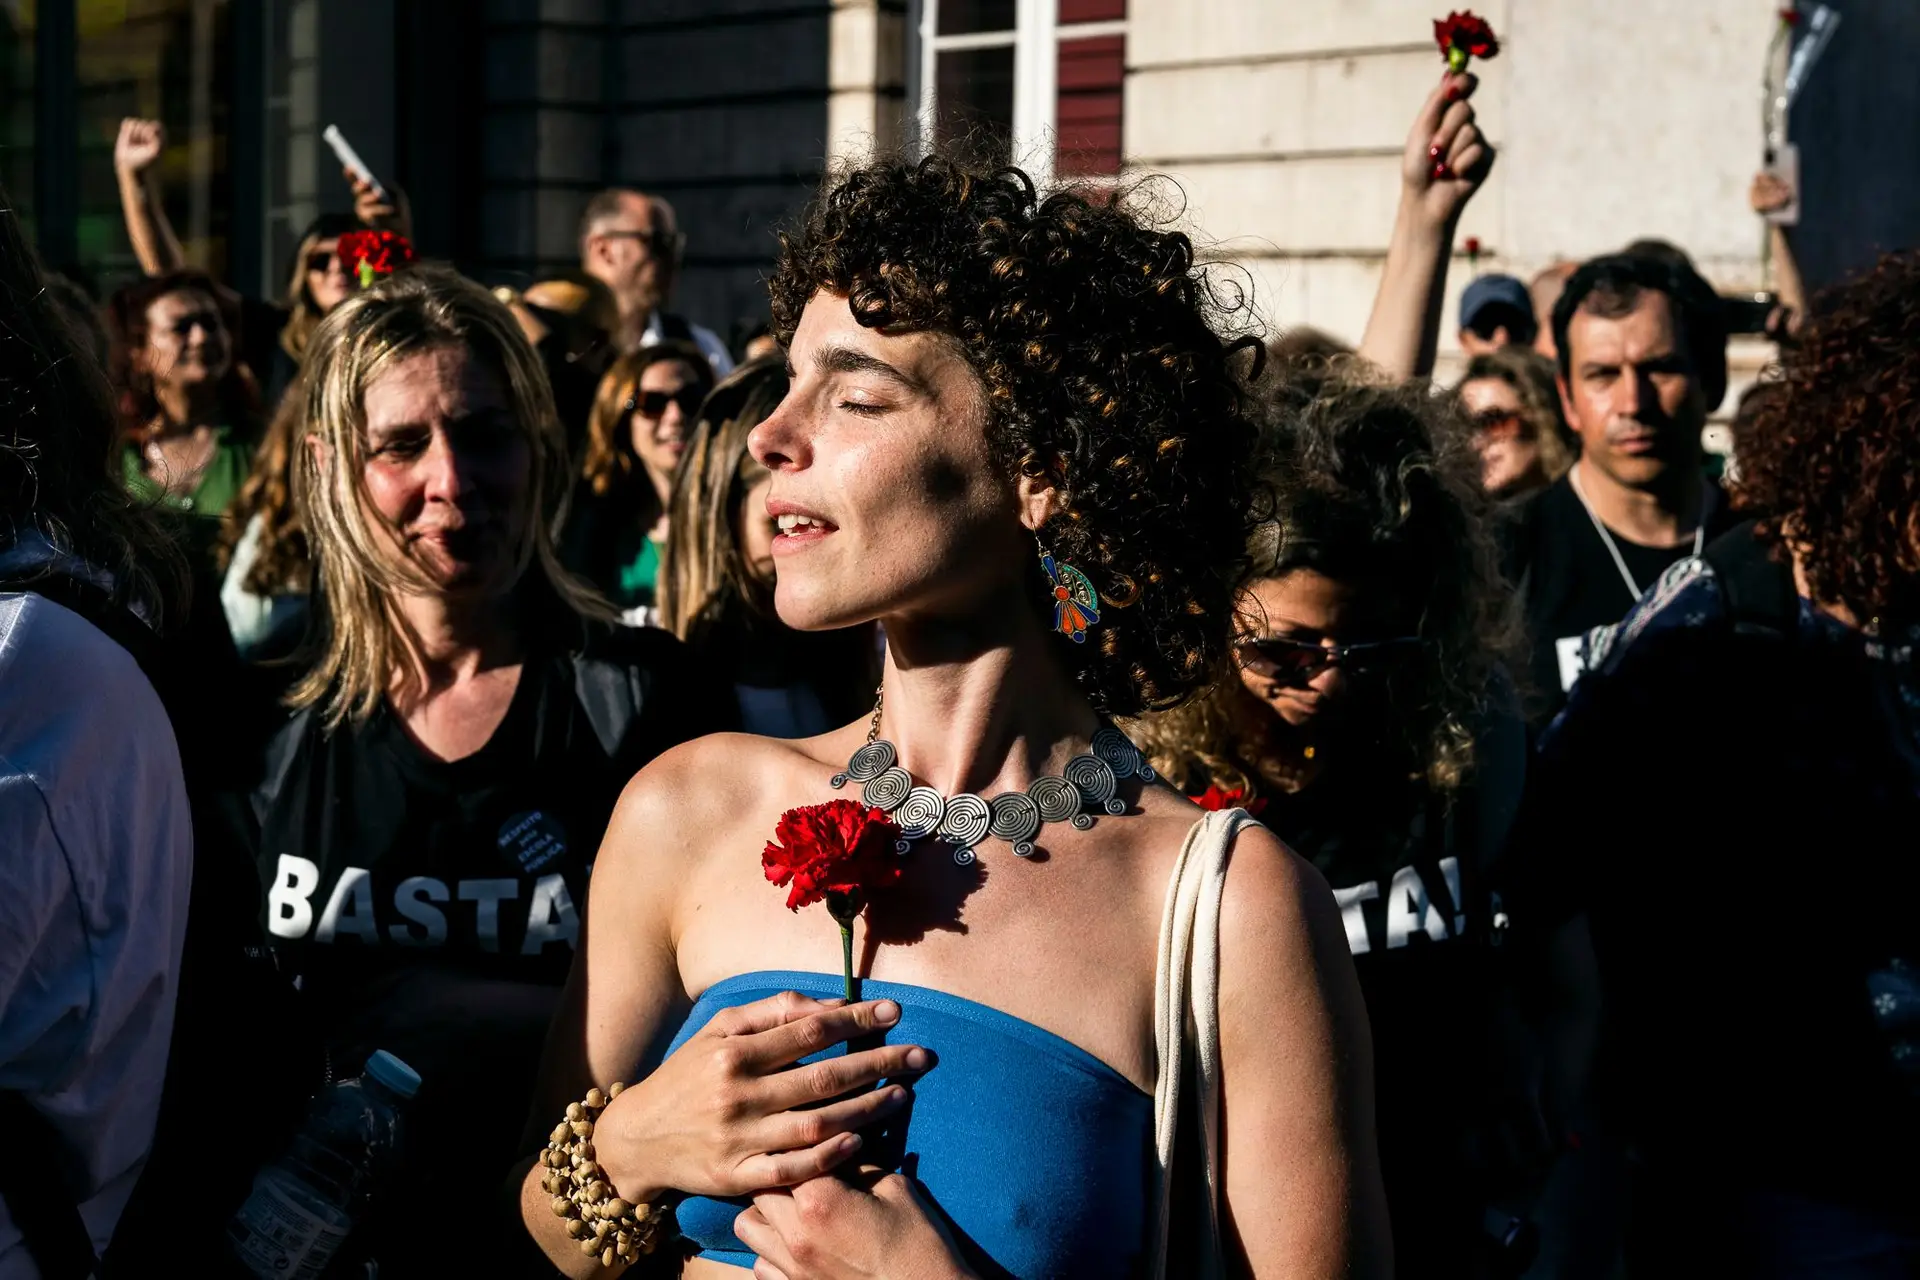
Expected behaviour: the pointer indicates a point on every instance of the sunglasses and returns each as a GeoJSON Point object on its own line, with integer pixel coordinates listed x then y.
{"type": "Point", "coordinates": [1298, 661]}
{"type": "Point", "coordinates": [651, 404]}
{"type": "Point", "coordinates": [1498, 424]}
{"type": "Point", "coordinates": [659, 243]}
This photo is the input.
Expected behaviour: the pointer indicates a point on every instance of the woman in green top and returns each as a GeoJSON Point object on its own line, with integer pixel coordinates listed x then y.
{"type": "Point", "coordinates": [642, 417]}
{"type": "Point", "coordinates": [189, 408]}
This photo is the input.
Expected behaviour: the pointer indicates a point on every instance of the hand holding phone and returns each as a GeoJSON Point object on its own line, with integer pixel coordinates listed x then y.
{"type": "Point", "coordinates": [350, 159]}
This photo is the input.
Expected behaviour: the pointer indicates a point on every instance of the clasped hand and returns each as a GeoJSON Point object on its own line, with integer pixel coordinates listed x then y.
{"type": "Point", "coordinates": [729, 1114]}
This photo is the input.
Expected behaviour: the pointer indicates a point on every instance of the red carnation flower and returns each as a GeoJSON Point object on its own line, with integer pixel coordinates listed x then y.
{"type": "Point", "coordinates": [371, 255]}
{"type": "Point", "coordinates": [1464, 35]}
{"type": "Point", "coordinates": [1472, 246]}
{"type": "Point", "coordinates": [1217, 797]}
{"type": "Point", "coordinates": [838, 853]}
{"type": "Point", "coordinates": [1790, 16]}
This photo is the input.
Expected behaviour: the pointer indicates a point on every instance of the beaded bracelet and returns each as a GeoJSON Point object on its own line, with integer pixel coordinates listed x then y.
{"type": "Point", "coordinates": [605, 1226]}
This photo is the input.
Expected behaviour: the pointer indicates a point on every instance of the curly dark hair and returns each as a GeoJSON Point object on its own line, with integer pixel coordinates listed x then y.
{"type": "Point", "coordinates": [1380, 485]}
{"type": "Point", "coordinates": [1100, 345]}
{"type": "Point", "coordinates": [1830, 462]}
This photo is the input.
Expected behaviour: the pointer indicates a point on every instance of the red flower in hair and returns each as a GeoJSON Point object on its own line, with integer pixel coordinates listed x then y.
{"type": "Point", "coordinates": [1464, 35]}
{"type": "Point", "coordinates": [371, 255]}
{"type": "Point", "coordinates": [1216, 797]}
{"type": "Point", "coordinates": [838, 853]}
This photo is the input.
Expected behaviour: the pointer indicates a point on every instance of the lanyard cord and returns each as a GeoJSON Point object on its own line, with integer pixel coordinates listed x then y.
{"type": "Point", "coordinates": [1613, 549]}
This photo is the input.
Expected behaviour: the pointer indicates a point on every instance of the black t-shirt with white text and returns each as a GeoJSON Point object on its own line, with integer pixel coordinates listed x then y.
{"type": "Point", "coordinates": [1406, 868]}
{"type": "Point", "coordinates": [432, 908]}
{"type": "Point", "coordinates": [1569, 583]}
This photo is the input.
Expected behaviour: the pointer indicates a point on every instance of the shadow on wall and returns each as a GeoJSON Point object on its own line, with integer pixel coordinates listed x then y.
{"type": "Point", "coordinates": [1857, 123]}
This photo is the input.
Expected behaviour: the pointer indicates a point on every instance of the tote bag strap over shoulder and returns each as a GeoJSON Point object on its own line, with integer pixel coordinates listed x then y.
{"type": "Point", "coordinates": [1186, 1026]}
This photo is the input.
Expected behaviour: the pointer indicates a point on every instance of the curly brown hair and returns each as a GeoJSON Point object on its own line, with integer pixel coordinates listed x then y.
{"type": "Point", "coordinates": [1100, 345]}
{"type": "Point", "coordinates": [1831, 462]}
{"type": "Point", "coordinates": [1374, 484]}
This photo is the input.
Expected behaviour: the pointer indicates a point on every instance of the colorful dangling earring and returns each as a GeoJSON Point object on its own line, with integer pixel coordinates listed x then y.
{"type": "Point", "coordinates": [1076, 605]}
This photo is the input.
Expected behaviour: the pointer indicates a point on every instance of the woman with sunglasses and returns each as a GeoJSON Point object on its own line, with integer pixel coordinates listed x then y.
{"type": "Point", "coordinates": [642, 417]}
{"type": "Point", "coordinates": [1510, 400]}
{"type": "Point", "coordinates": [1368, 728]}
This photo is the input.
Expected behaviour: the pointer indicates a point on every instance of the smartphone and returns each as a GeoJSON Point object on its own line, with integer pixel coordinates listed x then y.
{"type": "Point", "coordinates": [1747, 313]}
{"type": "Point", "coordinates": [350, 159]}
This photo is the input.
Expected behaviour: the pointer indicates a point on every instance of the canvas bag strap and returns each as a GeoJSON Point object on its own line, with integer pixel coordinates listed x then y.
{"type": "Point", "coordinates": [1186, 1019]}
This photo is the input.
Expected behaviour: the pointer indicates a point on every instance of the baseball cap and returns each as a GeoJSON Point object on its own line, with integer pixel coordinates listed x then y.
{"type": "Point", "coordinates": [1501, 291]}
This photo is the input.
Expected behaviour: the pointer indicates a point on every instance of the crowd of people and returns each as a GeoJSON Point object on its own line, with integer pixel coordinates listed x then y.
{"type": "Point", "coordinates": [407, 665]}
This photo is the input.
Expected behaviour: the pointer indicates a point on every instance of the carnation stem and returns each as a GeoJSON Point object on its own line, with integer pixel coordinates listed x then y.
{"type": "Point", "coordinates": [846, 959]}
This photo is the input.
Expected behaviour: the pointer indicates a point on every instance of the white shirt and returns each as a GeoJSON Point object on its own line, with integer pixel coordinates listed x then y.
{"type": "Point", "coordinates": [96, 857]}
{"type": "Point", "coordinates": [708, 342]}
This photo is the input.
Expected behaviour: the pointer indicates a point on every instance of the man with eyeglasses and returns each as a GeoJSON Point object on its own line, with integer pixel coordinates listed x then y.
{"type": "Point", "coordinates": [631, 243]}
{"type": "Point", "coordinates": [1642, 361]}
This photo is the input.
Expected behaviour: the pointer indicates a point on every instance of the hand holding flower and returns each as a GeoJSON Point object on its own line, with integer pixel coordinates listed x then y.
{"type": "Point", "coordinates": [723, 1115]}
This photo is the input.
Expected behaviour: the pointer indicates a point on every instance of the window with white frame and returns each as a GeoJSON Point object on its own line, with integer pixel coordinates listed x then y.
{"type": "Point", "coordinates": [1034, 82]}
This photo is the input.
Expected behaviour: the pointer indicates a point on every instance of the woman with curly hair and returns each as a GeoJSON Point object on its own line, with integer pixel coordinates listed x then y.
{"type": "Point", "coordinates": [1509, 399]}
{"type": "Point", "coordinates": [1014, 437]}
{"type": "Point", "coordinates": [616, 531]}
{"type": "Point", "coordinates": [1372, 728]}
{"type": "Point", "coordinates": [1755, 941]}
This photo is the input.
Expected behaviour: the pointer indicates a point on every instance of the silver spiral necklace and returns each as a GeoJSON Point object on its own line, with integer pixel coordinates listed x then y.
{"type": "Point", "coordinates": [1091, 781]}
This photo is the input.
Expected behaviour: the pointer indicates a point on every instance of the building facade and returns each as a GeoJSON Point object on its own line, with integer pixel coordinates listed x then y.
{"type": "Point", "coordinates": [1280, 121]}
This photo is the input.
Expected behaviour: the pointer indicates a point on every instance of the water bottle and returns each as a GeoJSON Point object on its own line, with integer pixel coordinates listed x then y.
{"type": "Point", "coordinates": [303, 1205]}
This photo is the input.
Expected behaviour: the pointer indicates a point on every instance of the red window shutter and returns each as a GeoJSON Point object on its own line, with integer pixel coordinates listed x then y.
{"type": "Point", "coordinates": [1088, 110]}
{"type": "Point", "coordinates": [1092, 11]}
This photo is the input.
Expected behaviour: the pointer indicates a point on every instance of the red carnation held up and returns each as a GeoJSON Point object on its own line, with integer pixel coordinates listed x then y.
{"type": "Point", "coordinates": [369, 255]}
{"type": "Point", "coordinates": [838, 853]}
{"type": "Point", "coordinates": [1462, 35]}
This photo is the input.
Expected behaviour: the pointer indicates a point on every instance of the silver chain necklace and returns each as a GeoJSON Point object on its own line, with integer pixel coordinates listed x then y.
{"type": "Point", "coordinates": [1620, 561]}
{"type": "Point", "coordinates": [1088, 782]}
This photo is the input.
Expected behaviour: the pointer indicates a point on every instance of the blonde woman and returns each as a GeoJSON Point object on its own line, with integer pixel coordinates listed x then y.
{"type": "Point", "coordinates": [716, 584]}
{"type": "Point", "coordinates": [464, 724]}
{"type": "Point", "coordinates": [637, 433]}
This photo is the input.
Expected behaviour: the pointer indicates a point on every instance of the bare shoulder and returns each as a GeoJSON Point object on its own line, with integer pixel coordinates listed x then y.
{"type": "Point", "coordinates": [1267, 879]}
{"type": "Point", "coordinates": [1281, 934]}
{"type": "Point", "coordinates": [674, 808]}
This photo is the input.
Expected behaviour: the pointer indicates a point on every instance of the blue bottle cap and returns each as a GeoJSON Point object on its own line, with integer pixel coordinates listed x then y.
{"type": "Point", "coordinates": [393, 1073]}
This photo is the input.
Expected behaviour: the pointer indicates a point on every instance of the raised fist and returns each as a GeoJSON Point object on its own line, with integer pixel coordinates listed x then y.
{"type": "Point", "coordinates": [138, 146]}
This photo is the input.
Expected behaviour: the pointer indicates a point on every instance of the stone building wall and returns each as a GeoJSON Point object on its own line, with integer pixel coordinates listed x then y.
{"type": "Point", "coordinates": [1284, 124]}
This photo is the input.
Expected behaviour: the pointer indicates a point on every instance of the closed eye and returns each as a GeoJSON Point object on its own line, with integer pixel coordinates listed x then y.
{"type": "Point", "coordinates": [862, 408]}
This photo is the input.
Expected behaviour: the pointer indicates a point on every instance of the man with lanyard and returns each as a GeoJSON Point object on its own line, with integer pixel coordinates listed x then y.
{"type": "Point", "coordinates": [629, 241]}
{"type": "Point", "coordinates": [1642, 356]}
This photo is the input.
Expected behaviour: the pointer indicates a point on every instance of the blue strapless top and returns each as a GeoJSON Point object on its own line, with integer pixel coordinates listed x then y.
{"type": "Point", "coordinates": [1040, 1153]}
